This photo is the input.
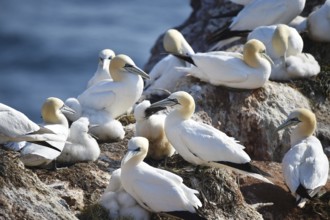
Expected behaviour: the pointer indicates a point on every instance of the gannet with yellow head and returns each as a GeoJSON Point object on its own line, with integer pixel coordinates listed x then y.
{"type": "Point", "coordinates": [34, 154]}
{"type": "Point", "coordinates": [202, 144]}
{"type": "Point", "coordinates": [305, 166]}
{"type": "Point", "coordinates": [155, 189]}
{"type": "Point", "coordinates": [248, 71]}
{"type": "Point", "coordinates": [102, 71]}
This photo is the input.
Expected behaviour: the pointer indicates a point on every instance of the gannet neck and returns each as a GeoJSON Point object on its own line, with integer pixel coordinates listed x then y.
{"type": "Point", "coordinates": [186, 107]}
{"type": "Point", "coordinates": [305, 127]}
{"type": "Point", "coordinates": [51, 111]}
{"type": "Point", "coordinates": [252, 53]}
{"type": "Point", "coordinates": [137, 151]}
{"type": "Point", "coordinates": [139, 111]}
{"type": "Point", "coordinates": [280, 40]}
{"type": "Point", "coordinates": [174, 42]}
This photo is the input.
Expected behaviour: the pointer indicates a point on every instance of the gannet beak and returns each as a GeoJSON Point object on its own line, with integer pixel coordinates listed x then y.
{"type": "Point", "coordinates": [67, 109]}
{"type": "Point", "coordinates": [268, 58]}
{"type": "Point", "coordinates": [130, 153]}
{"type": "Point", "coordinates": [288, 123]}
{"type": "Point", "coordinates": [136, 70]}
{"type": "Point", "coordinates": [161, 105]}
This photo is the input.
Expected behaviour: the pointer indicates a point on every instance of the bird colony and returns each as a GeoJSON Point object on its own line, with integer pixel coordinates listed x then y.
{"type": "Point", "coordinates": [273, 51]}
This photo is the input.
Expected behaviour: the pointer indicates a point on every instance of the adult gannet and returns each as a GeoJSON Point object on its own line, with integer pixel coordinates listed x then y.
{"type": "Point", "coordinates": [305, 166]}
{"type": "Point", "coordinates": [261, 13]}
{"type": "Point", "coordinates": [284, 45]}
{"type": "Point", "coordinates": [119, 203]}
{"type": "Point", "coordinates": [16, 126]}
{"type": "Point", "coordinates": [248, 71]}
{"type": "Point", "coordinates": [102, 71]}
{"type": "Point", "coordinates": [152, 128]}
{"type": "Point", "coordinates": [155, 189]}
{"type": "Point", "coordinates": [81, 145]}
{"type": "Point", "coordinates": [202, 144]}
{"type": "Point", "coordinates": [318, 23]}
{"type": "Point", "coordinates": [33, 154]}
{"type": "Point", "coordinates": [164, 74]}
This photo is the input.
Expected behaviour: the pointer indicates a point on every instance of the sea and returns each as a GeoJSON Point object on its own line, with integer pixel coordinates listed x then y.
{"type": "Point", "coordinates": [50, 47]}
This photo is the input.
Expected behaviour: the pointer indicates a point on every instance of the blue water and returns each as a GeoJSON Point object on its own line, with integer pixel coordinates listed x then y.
{"type": "Point", "coordinates": [50, 47]}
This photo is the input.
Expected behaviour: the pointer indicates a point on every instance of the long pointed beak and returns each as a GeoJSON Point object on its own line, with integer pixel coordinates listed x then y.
{"type": "Point", "coordinates": [287, 123]}
{"type": "Point", "coordinates": [67, 109]}
{"type": "Point", "coordinates": [136, 70]}
{"type": "Point", "coordinates": [161, 105]}
{"type": "Point", "coordinates": [268, 58]}
{"type": "Point", "coordinates": [128, 156]}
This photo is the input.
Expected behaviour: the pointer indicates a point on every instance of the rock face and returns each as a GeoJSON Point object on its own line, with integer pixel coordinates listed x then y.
{"type": "Point", "coordinates": [24, 196]}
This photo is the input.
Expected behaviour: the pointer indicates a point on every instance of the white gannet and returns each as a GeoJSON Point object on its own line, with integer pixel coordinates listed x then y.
{"type": "Point", "coordinates": [318, 23]}
{"type": "Point", "coordinates": [33, 154]}
{"type": "Point", "coordinates": [119, 203]}
{"type": "Point", "coordinates": [107, 100]}
{"type": "Point", "coordinates": [152, 128]}
{"type": "Point", "coordinates": [284, 45]}
{"type": "Point", "coordinates": [155, 189]}
{"type": "Point", "coordinates": [260, 13]}
{"type": "Point", "coordinates": [266, 12]}
{"type": "Point", "coordinates": [81, 145]}
{"type": "Point", "coordinates": [102, 71]}
{"type": "Point", "coordinates": [202, 144]}
{"type": "Point", "coordinates": [164, 74]}
{"type": "Point", "coordinates": [305, 166]}
{"type": "Point", "coordinates": [248, 71]}
{"type": "Point", "coordinates": [16, 126]}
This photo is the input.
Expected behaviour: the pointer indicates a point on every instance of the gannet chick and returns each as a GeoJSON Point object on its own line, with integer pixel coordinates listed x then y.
{"type": "Point", "coordinates": [164, 74]}
{"type": "Point", "coordinates": [248, 71]}
{"type": "Point", "coordinates": [33, 154]}
{"type": "Point", "coordinates": [305, 166]}
{"type": "Point", "coordinates": [152, 128]}
{"type": "Point", "coordinates": [16, 126]}
{"type": "Point", "coordinates": [102, 71]}
{"type": "Point", "coordinates": [318, 23]}
{"type": "Point", "coordinates": [261, 13]}
{"type": "Point", "coordinates": [202, 144]}
{"type": "Point", "coordinates": [119, 203]}
{"type": "Point", "coordinates": [81, 145]}
{"type": "Point", "coordinates": [284, 45]}
{"type": "Point", "coordinates": [155, 189]}
{"type": "Point", "coordinates": [107, 100]}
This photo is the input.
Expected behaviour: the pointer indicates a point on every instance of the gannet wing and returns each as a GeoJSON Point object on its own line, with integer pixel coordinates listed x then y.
{"type": "Point", "coordinates": [210, 144]}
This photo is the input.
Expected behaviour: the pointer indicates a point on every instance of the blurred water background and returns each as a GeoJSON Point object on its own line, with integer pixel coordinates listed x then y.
{"type": "Point", "coordinates": [50, 48]}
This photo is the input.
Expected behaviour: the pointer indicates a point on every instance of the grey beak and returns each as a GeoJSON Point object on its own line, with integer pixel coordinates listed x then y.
{"type": "Point", "coordinates": [136, 70]}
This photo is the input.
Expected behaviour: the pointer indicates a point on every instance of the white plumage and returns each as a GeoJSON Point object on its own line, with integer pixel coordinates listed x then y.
{"type": "Point", "coordinates": [102, 71]}
{"type": "Point", "coordinates": [202, 144]}
{"type": "Point", "coordinates": [266, 12]}
{"type": "Point", "coordinates": [81, 145]}
{"type": "Point", "coordinates": [305, 166]}
{"type": "Point", "coordinates": [248, 71]}
{"type": "Point", "coordinates": [152, 128]}
{"type": "Point", "coordinates": [154, 189]}
{"type": "Point", "coordinates": [318, 23]}
{"type": "Point", "coordinates": [119, 203]}
{"type": "Point", "coordinates": [164, 74]}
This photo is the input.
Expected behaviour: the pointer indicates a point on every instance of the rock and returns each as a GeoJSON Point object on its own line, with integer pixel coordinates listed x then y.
{"type": "Point", "coordinates": [24, 196]}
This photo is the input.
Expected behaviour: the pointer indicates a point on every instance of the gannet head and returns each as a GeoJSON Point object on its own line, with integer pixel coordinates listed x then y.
{"type": "Point", "coordinates": [122, 64]}
{"type": "Point", "coordinates": [182, 101]}
{"type": "Point", "coordinates": [304, 118]}
{"type": "Point", "coordinates": [254, 51]}
{"type": "Point", "coordinates": [175, 43]}
{"type": "Point", "coordinates": [136, 151]}
{"type": "Point", "coordinates": [52, 109]}
{"type": "Point", "coordinates": [280, 40]}
{"type": "Point", "coordinates": [105, 57]}
{"type": "Point", "coordinates": [139, 110]}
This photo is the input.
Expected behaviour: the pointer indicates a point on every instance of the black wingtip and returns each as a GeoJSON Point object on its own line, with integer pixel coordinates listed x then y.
{"type": "Point", "coordinates": [45, 144]}
{"type": "Point", "coordinates": [186, 215]}
{"type": "Point", "coordinates": [225, 33]}
{"type": "Point", "coordinates": [247, 167]}
{"type": "Point", "coordinates": [185, 58]}
{"type": "Point", "coordinates": [303, 193]}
